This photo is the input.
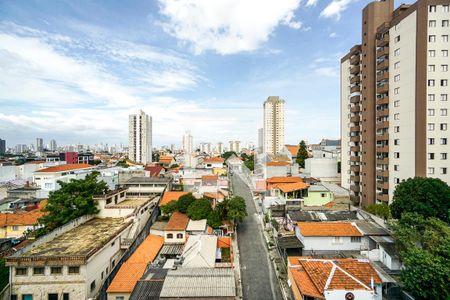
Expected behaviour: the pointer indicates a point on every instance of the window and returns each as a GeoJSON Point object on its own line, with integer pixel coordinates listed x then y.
{"type": "Point", "coordinates": [66, 296]}
{"type": "Point", "coordinates": [443, 126]}
{"type": "Point", "coordinates": [27, 297]}
{"type": "Point", "coordinates": [431, 156]}
{"type": "Point", "coordinates": [443, 156]}
{"type": "Point", "coordinates": [396, 142]}
{"type": "Point", "coordinates": [21, 271]}
{"type": "Point", "coordinates": [430, 141]}
{"type": "Point", "coordinates": [443, 82]}
{"type": "Point", "coordinates": [444, 53]}
{"type": "Point", "coordinates": [432, 23]}
{"type": "Point", "coordinates": [355, 239]}
{"type": "Point", "coordinates": [443, 97]}
{"type": "Point", "coordinates": [48, 185]}
{"type": "Point", "coordinates": [52, 296]}
{"type": "Point", "coordinates": [444, 68]}
{"type": "Point", "coordinates": [396, 167]}
{"type": "Point", "coordinates": [430, 170]}
{"type": "Point", "coordinates": [430, 82]}
{"type": "Point", "coordinates": [432, 8]}
{"type": "Point", "coordinates": [74, 270]}
{"type": "Point", "coordinates": [15, 228]}
{"type": "Point", "coordinates": [431, 53]}
{"type": "Point", "coordinates": [13, 297]}
{"type": "Point", "coordinates": [430, 126]}
{"type": "Point", "coordinates": [170, 235]}
{"type": "Point", "coordinates": [55, 270]}
{"type": "Point", "coordinates": [430, 97]}
{"type": "Point", "coordinates": [431, 68]}
{"type": "Point", "coordinates": [396, 116]}
{"type": "Point", "coordinates": [445, 23]}
{"type": "Point", "coordinates": [443, 170]}
{"type": "Point", "coordinates": [445, 8]}
{"type": "Point", "coordinates": [397, 78]}
{"type": "Point", "coordinates": [445, 38]}
{"type": "Point", "coordinates": [397, 52]}
{"type": "Point", "coordinates": [396, 180]}
{"type": "Point", "coordinates": [432, 38]}
{"type": "Point", "coordinates": [337, 240]}
{"type": "Point", "coordinates": [396, 91]}
{"type": "Point", "coordinates": [443, 141]}
{"type": "Point", "coordinates": [397, 65]}
{"type": "Point", "coordinates": [92, 285]}
{"type": "Point", "coordinates": [396, 129]}
{"type": "Point", "coordinates": [38, 271]}
{"type": "Point", "coordinates": [179, 235]}
{"type": "Point", "coordinates": [396, 103]}
{"type": "Point", "coordinates": [397, 39]}
{"type": "Point", "coordinates": [396, 154]}
{"type": "Point", "coordinates": [120, 298]}
{"type": "Point", "coordinates": [431, 112]}
{"type": "Point", "coordinates": [443, 112]}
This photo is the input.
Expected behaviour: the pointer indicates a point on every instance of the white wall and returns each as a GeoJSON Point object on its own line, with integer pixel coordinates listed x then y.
{"type": "Point", "coordinates": [322, 167]}
{"type": "Point", "coordinates": [175, 240]}
{"type": "Point", "coordinates": [345, 123]}
{"type": "Point", "coordinates": [359, 294]}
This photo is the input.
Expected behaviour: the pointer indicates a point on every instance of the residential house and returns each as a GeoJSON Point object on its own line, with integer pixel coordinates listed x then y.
{"type": "Point", "coordinates": [147, 186]}
{"type": "Point", "coordinates": [200, 251]}
{"type": "Point", "coordinates": [333, 279]}
{"type": "Point", "coordinates": [175, 231]}
{"type": "Point", "coordinates": [171, 196]}
{"type": "Point", "coordinates": [273, 181]}
{"type": "Point", "coordinates": [291, 151]}
{"type": "Point", "coordinates": [197, 227]}
{"type": "Point", "coordinates": [154, 171]}
{"type": "Point", "coordinates": [13, 225]}
{"type": "Point", "coordinates": [166, 160]}
{"type": "Point", "coordinates": [214, 162]}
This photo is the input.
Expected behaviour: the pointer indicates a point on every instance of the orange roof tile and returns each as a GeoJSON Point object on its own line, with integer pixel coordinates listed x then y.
{"type": "Point", "coordinates": [210, 177]}
{"type": "Point", "coordinates": [171, 196]}
{"type": "Point", "coordinates": [223, 242]}
{"type": "Point", "coordinates": [214, 160]}
{"type": "Point", "coordinates": [328, 229]}
{"type": "Point", "coordinates": [290, 187]}
{"type": "Point", "coordinates": [133, 269]}
{"type": "Point", "coordinates": [67, 167]}
{"type": "Point", "coordinates": [293, 149]}
{"type": "Point", "coordinates": [312, 275]}
{"type": "Point", "coordinates": [35, 162]}
{"type": "Point", "coordinates": [25, 218]}
{"type": "Point", "coordinates": [165, 159]}
{"type": "Point", "coordinates": [177, 222]}
{"type": "Point", "coordinates": [286, 179]}
{"type": "Point", "coordinates": [277, 163]}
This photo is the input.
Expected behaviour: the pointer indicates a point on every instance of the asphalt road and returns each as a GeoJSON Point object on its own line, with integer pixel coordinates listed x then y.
{"type": "Point", "coordinates": [259, 280]}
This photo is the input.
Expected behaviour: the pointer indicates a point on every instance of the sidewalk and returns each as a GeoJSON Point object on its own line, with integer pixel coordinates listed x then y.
{"type": "Point", "coordinates": [237, 267]}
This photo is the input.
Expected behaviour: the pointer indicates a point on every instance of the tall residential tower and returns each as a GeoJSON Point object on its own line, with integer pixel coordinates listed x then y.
{"type": "Point", "coordinates": [394, 99]}
{"type": "Point", "coordinates": [273, 125]}
{"type": "Point", "coordinates": [140, 138]}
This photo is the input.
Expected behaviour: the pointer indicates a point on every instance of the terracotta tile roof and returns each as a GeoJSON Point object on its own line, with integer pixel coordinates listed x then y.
{"type": "Point", "coordinates": [293, 149]}
{"type": "Point", "coordinates": [133, 269]}
{"type": "Point", "coordinates": [328, 229]}
{"type": "Point", "coordinates": [25, 218]}
{"type": "Point", "coordinates": [315, 276]}
{"type": "Point", "coordinates": [177, 221]}
{"type": "Point", "coordinates": [171, 196]}
{"type": "Point", "coordinates": [286, 179]}
{"type": "Point", "coordinates": [165, 159]}
{"type": "Point", "coordinates": [214, 160]}
{"type": "Point", "coordinates": [290, 187]}
{"type": "Point", "coordinates": [210, 178]}
{"type": "Point", "coordinates": [154, 170]}
{"type": "Point", "coordinates": [223, 242]}
{"type": "Point", "coordinates": [277, 163]}
{"type": "Point", "coordinates": [67, 167]}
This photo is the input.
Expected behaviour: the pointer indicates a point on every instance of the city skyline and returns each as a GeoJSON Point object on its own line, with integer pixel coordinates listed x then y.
{"type": "Point", "coordinates": [219, 87]}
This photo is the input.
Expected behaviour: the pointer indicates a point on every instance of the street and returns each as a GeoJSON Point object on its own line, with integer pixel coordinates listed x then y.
{"type": "Point", "coordinates": [258, 277]}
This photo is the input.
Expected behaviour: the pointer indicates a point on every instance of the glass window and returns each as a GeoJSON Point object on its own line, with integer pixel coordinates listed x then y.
{"type": "Point", "coordinates": [179, 235]}
{"type": "Point", "coordinates": [443, 97]}
{"type": "Point", "coordinates": [430, 97]}
{"type": "Point", "coordinates": [38, 270]}
{"type": "Point", "coordinates": [430, 141]}
{"type": "Point", "coordinates": [74, 270]}
{"type": "Point", "coordinates": [397, 52]}
{"type": "Point", "coordinates": [445, 53]}
{"type": "Point", "coordinates": [445, 38]}
{"type": "Point", "coordinates": [56, 270]}
{"type": "Point", "coordinates": [444, 82]}
{"type": "Point", "coordinates": [443, 156]}
{"type": "Point", "coordinates": [430, 126]}
{"type": "Point", "coordinates": [52, 296]}
{"type": "Point", "coordinates": [430, 170]}
{"type": "Point", "coordinates": [432, 8]}
{"type": "Point", "coordinates": [432, 23]}
{"type": "Point", "coordinates": [443, 126]}
{"type": "Point", "coordinates": [397, 65]}
{"type": "Point", "coordinates": [445, 23]}
{"type": "Point", "coordinates": [430, 82]}
{"type": "Point", "coordinates": [443, 112]}
{"type": "Point", "coordinates": [431, 68]}
{"type": "Point", "coordinates": [444, 171]}
{"type": "Point", "coordinates": [397, 78]}
{"type": "Point", "coordinates": [355, 239]}
{"type": "Point", "coordinates": [430, 155]}
{"type": "Point", "coordinates": [444, 68]}
{"type": "Point", "coordinates": [431, 112]}
{"type": "Point", "coordinates": [443, 141]}
{"type": "Point", "coordinates": [21, 271]}
{"type": "Point", "coordinates": [432, 38]}
{"type": "Point", "coordinates": [431, 53]}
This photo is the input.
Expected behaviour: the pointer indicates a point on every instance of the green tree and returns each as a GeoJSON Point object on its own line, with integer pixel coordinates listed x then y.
{"type": "Point", "coordinates": [249, 162]}
{"type": "Point", "coordinates": [169, 208]}
{"type": "Point", "coordinates": [226, 155]}
{"type": "Point", "coordinates": [429, 197]}
{"type": "Point", "coordinates": [302, 154]}
{"type": "Point", "coordinates": [4, 274]}
{"type": "Point", "coordinates": [424, 248]}
{"type": "Point", "coordinates": [73, 200]}
{"type": "Point", "coordinates": [122, 163]}
{"type": "Point", "coordinates": [381, 210]}
{"type": "Point", "coordinates": [237, 209]}
{"type": "Point", "coordinates": [184, 202]}
{"type": "Point", "coordinates": [199, 209]}
{"type": "Point", "coordinates": [222, 209]}
{"type": "Point", "coordinates": [214, 219]}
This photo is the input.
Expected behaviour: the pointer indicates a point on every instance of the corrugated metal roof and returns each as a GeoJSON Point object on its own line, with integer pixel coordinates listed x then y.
{"type": "Point", "coordinates": [147, 290]}
{"type": "Point", "coordinates": [201, 282]}
{"type": "Point", "coordinates": [322, 215]}
{"type": "Point", "coordinates": [369, 228]}
{"type": "Point", "coordinates": [174, 249]}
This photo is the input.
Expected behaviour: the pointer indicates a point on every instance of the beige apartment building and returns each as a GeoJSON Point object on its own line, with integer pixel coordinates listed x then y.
{"type": "Point", "coordinates": [140, 138]}
{"type": "Point", "coordinates": [394, 99]}
{"type": "Point", "coordinates": [273, 125]}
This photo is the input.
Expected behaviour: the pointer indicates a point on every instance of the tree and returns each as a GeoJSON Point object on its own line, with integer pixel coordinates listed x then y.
{"type": "Point", "coordinates": [184, 202]}
{"type": "Point", "coordinates": [199, 209]}
{"type": "Point", "coordinates": [249, 162]}
{"type": "Point", "coordinates": [237, 209]}
{"type": "Point", "coordinates": [424, 247]}
{"type": "Point", "coordinates": [381, 210]}
{"type": "Point", "coordinates": [214, 219]}
{"type": "Point", "coordinates": [302, 154]}
{"type": "Point", "coordinates": [429, 197]}
{"type": "Point", "coordinates": [222, 209]}
{"type": "Point", "coordinates": [73, 200]}
{"type": "Point", "coordinates": [226, 155]}
{"type": "Point", "coordinates": [169, 208]}
{"type": "Point", "coordinates": [4, 274]}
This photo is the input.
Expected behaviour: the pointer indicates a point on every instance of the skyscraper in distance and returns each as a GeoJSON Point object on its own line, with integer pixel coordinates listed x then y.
{"type": "Point", "coordinates": [188, 143]}
{"type": "Point", "coordinates": [39, 144]}
{"type": "Point", "coordinates": [273, 125]}
{"type": "Point", "coordinates": [2, 147]}
{"type": "Point", "coordinates": [53, 145]}
{"type": "Point", "coordinates": [140, 137]}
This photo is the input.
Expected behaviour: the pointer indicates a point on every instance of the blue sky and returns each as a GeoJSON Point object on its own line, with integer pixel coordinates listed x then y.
{"type": "Point", "coordinates": [74, 70]}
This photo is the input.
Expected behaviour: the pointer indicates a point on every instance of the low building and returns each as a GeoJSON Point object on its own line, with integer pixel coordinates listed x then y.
{"type": "Point", "coordinates": [154, 171]}
{"type": "Point", "coordinates": [166, 160]}
{"type": "Point", "coordinates": [132, 270]}
{"type": "Point", "coordinates": [200, 251]}
{"type": "Point", "coordinates": [214, 162]}
{"type": "Point", "coordinates": [47, 179]}
{"type": "Point", "coordinates": [171, 196]}
{"type": "Point", "coordinates": [291, 151]}
{"type": "Point", "coordinates": [272, 181]}
{"type": "Point", "coordinates": [197, 227]}
{"type": "Point", "coordinates": [71, 262]}
{"type": "Point", "coordinates": [330, 237]}
{"type": "Point", "coordinates": [324, 166]}
{"type": "Point", "coordinates": [333, 279]}
{"type": "Point", "coordinates": [147, 186]}
{"type": "Point", "coordinates": [175, 231]}
{"type": "Point", "coordinates": [318, 195]}
{"type": "Point", "coordinates": [14, 225]}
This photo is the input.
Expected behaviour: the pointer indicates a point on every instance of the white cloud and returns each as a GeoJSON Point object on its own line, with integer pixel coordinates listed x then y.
{"type": "Point", "coordinates": [333, 35]}
{"type": "Point", "coordinates": [311, 2]}
{"type": "Point", "coordinates": [335, 8]}
{"type": "Point", "coordinates": [226, 26]}
{"type": "Point", "coordinates": [326, 71]}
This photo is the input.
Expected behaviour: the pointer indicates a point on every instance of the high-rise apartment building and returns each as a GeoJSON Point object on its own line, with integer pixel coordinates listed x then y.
{"type": "Point", "coordinates": [53, 146]}
{"type": "Point", "coordinates": [205, 148]}
{"type": "Point", "coordinates": [220, 147]}
{"type": "Point", "coordinates": [394, 99]}
{"type": "Point", "coordinates": [2, 147]}
{"type": "Point", "coordinates": [235, 146]}
{"type": "Point", "coordinates": [39, 145]}
{"type": "Point", "coordinates": [188, 143]}
{"type": "Point", "coordinates": [273, 125]}
{"type": "Point", "coordinates": [140, 138]}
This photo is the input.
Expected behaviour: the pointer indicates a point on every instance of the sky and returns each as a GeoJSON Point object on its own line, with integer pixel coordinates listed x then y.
{"type": "Point", "coordinates": [74, 70]}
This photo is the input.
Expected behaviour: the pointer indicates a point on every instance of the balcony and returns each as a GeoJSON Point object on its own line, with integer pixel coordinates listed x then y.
{"type": "Point", "coordinates": [355, 109]}
{"type": "Point", "coordinates": [384, 173]}
{"type": "Point", "coordinates": [355, 148]}
{"type": "Point", "coordinates": [355, 70]}
{"type": "Point", "coordinates": [355, 89]}
{"type": "Point", "coordinates": [383, 197]}
{"type": "Point", "coordinates": [355, 138]}
{"type": "Point", "coordinates": [383, 52]}
{"type": "Point", "coordinates": [355, 79]}
{"type": "Point", "coordinates": [355, 188]}
{"type": "Point", "coordinates": [355, 119]}
{"type": "Point", "coordinates": [383, 41]}
{"type": "Point", "coordinates": [382, 149]}
{"type": "Point", "coordinates": [384, 124]}
{"type": "Point", "coordinates": [384, 100]}
{"type": "Point", "coordinates": [355, 99]}
{"type": "Point", "coordinates": [355, 60]}
{"type": "Point", "coordinates": [382, 184]}
{"type": "Point", "coordinates": [383, 76]}
{"type": "Point", "coordinates": [355, 158]}
{"type": "Point", "coordinates": [384, 161]}
{"type": "Point", "coordinates": [354, 178]}
{"type": "Point", "coordinates": [354, 168]}
{"type": "Point", "coordinates": [354, 199]}
{"type": "Point", "coordinates": [383, 137]}
{"type": "Point", "coordinates": [382, 113]}
{"type": "Point", "coordinates": [383, 89]}
{"type": "Point", "coordinates": [383, 65]}
{"type": "Point", "coordinates": [355, 128]}
{"type": "Point", "coordinates": [355, 49]}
